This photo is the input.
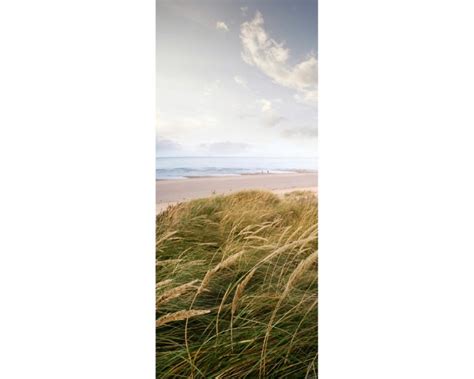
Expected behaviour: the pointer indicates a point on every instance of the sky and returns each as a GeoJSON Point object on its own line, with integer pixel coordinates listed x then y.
{"type": "Point", "coordinates": [236, 78]}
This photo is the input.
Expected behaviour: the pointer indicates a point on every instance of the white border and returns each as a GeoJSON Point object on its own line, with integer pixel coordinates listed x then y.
{"type": "Point", "coordinates": [396, 189]}
{"type": "Point", "coordinates": [77, 189]}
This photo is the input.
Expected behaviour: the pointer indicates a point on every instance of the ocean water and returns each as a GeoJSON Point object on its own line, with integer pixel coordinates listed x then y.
{"type": "Point", "coordinates": [189, 167]}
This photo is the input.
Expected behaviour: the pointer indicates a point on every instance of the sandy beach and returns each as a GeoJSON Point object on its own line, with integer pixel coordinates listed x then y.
{"type": "Point", "coordinates": [169, 192]}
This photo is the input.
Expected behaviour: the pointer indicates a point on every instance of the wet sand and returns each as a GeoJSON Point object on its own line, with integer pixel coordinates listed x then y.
{"type": "Point", "coordinates": [169, 192]}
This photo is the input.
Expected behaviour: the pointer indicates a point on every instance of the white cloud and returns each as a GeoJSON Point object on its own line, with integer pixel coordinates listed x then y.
{"type": "Point", "coordinates": [240, 81]}
{"type": "Point", "coordinates": [301, 132]}
{"type": "Point", "coordinates": [271, 58]}
{"type": "Point", "coordinates": [270, 117]}
{"type": "Point", "coordinates": [308, 97]}
{"type": "Point", "coordinates": [180, 128]}
{"type": "Point", "coordinates": [266, 105]}
{"type": "Point", "coordinates": [167, 147]}
{"type": "Point", "coordinates": [225, 148]}
{"type": "Point", "coordinates": [221, 25]}
{"type": "Point", "coordinates": [244, 10]}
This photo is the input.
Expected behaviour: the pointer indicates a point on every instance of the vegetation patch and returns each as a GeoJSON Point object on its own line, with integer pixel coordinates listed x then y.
{"type": "Point", "coordinates": [236, 287]}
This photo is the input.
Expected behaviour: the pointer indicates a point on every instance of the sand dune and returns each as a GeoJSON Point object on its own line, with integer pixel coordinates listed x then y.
{"type": "Point", "coordinates": [173, 191]}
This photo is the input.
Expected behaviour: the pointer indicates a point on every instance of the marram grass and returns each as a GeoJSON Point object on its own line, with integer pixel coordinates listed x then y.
{"type": "Point", "coordinates": [237, 287]}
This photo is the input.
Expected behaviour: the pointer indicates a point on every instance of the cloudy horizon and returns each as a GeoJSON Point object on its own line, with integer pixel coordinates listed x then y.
{"type": "Point", "coordinates": [236, 78]}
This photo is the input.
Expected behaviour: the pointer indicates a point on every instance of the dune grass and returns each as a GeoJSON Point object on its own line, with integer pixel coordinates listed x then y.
{"type": "Point", "coordinates": [237, 286]}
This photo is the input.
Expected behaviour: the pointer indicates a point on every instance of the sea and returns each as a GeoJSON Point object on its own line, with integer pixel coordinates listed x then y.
{"type": "Point", "coordinates": [168, 168]}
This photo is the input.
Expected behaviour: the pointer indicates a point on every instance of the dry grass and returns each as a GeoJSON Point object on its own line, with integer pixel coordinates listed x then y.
{"type": "Point", "coordinates": [224, 264]}
{"type": "Point", "coordinates": [240, 290]}
{"type": "Point", "coordinates": [175, 292]}
{"type": "Point", "coordinates": [255, 257]}
{"type": "Point", "coordinates": [163, 283]}
{"type": "Point", "coordinates": [180, 316]}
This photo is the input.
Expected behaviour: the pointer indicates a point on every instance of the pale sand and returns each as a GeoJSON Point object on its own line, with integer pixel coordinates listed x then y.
{"type": "Point", "coordinates": [169, 192]}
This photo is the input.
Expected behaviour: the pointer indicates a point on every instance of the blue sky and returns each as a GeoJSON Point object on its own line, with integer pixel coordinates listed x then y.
{"type": "Point", "coordinates": [236, 77]}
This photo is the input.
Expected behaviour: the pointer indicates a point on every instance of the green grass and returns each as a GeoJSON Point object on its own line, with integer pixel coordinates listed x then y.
{"type": "Point", "coordinates": [249, 260]}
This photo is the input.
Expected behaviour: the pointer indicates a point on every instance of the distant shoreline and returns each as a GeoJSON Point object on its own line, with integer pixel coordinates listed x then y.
{"type": "Point", "coordinates": [263, 173]}
{"type": "Point", "coordinates": [169, 192]}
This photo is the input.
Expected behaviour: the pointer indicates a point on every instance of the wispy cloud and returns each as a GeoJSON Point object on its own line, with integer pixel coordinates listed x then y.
{"type": "Point", "coordinates": [269, 116]}
{"type": "Point", "coordinates": [182, 127]}
{"type": "Point", "coordinates": [240, 81]}
{"type": "Point", "coordinates": [301, 132]}
{"type": "Point", "coordinates": [167, 146]}
{"type": "Point", "coordinates": [272, 119]}
{"type": "Point", "coordinates": [271, 57]}
{"type": "Point", "coordinates": [221, 25]}
{"type": "Point", "coordinates": [244, 10]}
{"type": "Point", "coordinates": [266, 105]}
{"type": "Point", "coordinates": [225, 148]}
{"type": "Point", "coordinates": [309, 97]}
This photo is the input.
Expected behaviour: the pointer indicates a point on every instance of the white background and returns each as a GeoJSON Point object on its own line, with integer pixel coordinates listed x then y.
{"type": "Point", "coordinates": [77, 147]}
{"type": "Point", "coordinates": [77, 189]}
{"type": "Point", "coordinates": [396, 189]}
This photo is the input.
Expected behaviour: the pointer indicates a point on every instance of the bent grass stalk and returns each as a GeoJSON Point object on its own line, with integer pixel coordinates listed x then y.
{"type": "Point", "coordinates": [175, 292]}
{"type": "Point", "coordinates": [224, 264]}
{"type": "Point", "coordinates": [181, 315]}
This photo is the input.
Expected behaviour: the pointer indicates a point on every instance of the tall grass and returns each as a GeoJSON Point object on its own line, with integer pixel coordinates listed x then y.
{"type": "Point", "coordinates": [237, 287]}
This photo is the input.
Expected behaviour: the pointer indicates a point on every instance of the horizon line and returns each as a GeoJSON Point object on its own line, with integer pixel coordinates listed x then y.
{"type": "Point", "coordinates": [235, 156]}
